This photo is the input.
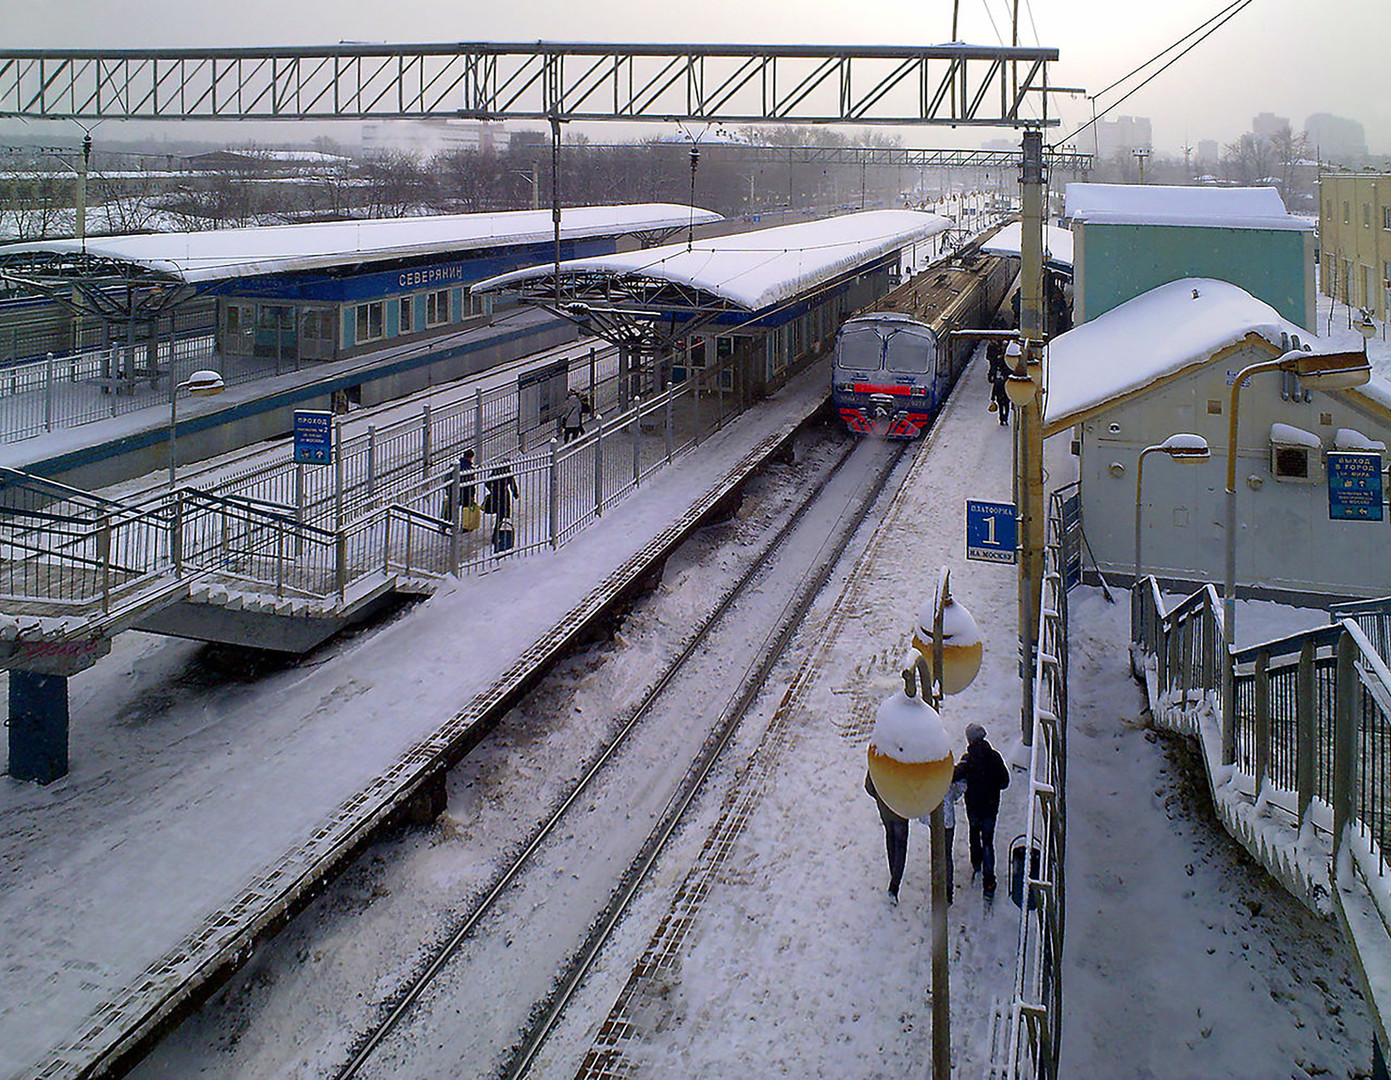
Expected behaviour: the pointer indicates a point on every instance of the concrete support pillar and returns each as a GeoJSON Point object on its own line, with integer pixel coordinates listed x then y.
{"type": "Point", "coordinates": [38, 726]}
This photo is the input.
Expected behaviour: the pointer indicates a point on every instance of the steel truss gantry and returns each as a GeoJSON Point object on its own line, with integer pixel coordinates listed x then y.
{"type": "Point", "coordinates": [960, 85]}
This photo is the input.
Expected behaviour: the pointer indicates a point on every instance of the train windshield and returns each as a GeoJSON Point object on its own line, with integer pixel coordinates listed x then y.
{"type": "Point", "coordinates": [860, 349]}
{"type": "Point", "coordinates": [909, 353]}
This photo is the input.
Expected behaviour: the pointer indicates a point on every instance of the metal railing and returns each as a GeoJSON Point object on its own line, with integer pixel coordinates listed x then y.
{"type": "Point", "coordinates": [1028, 1040]}
{"type": "Point", "coordinates": [1307, 742]}
{"type": "Point", "coordinates": [65, 552]}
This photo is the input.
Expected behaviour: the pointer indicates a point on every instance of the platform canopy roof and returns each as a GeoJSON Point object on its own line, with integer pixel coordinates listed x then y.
{"type": "Point", "coordinates": [194, 258]}
{"type": "Point", "coordinates": [1057, 245]}
{"type": "Point", "coordinates": [1159, 334]}
{"type": "Point", "coordinates": [748, 272]}
{"type": "Point", "coordinates": [1194, 207]}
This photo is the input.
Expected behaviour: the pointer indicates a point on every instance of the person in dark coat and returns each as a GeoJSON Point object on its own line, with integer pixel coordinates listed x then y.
{"type": "Point", "coordinates": [985, 774]}
{"type": "Point", "coordinates": [1000, 397]}
{"type": "Point", "coordinates": [466, 491]}
{"type": "Point", "coordinates": [995, 354]}
{"type": "Point", "coordinates": [895, 838]}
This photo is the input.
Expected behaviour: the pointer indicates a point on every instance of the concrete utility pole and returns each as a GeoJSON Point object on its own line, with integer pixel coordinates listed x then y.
{"type": "Point", "coordinates": [1028, 432]}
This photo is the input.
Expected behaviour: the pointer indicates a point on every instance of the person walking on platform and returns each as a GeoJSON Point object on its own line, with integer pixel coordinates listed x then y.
{"type": "Point", "coordinates": [984, 772]}
{"type": "Point", "coordinates": [957, 789]}
{"type": "Point", "coordinates": [999, 398]}
{"type": "Point", "coordinates": [895, 838]}
{"type": "Point", "coordinates": [995, 354]}
{"type": "Point", "coordinates": [468, 509]}
{"type": "Point", "coordinates": [573, 419]}
{"type": "Point", "coordinates": [499, 493]}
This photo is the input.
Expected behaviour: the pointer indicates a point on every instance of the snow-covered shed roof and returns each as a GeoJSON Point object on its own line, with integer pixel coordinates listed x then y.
{"type": "Point", "coordinates": [1153, 204]}
{"type": "Point", "coordinates": [1162, 332]}
{"type": "Point", "coordinates": [754, 270]}
{"type": "Point", "coordinates": [1057, 244]}
{"type": "Point", "coordinates": [220, 254]}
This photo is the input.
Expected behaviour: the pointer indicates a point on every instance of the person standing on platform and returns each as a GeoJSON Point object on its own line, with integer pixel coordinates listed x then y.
{"type": "Point", "coordinates": [572, 421]}
{"type": "Point", "coordinates": [895, 838]}
{"type": "Point", "coordinates": [499, 493]}
{"type": "Point", "coordinates": [985, 774]}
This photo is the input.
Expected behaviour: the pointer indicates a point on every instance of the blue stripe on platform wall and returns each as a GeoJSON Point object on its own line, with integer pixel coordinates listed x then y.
{"type": "Point", "coordinates": [90, 455]}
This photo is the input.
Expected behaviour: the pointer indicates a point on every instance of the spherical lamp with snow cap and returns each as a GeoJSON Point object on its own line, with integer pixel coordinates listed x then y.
{"type": "Point", "coordinates": [961, 644]}
{"type": "Point", "coordinates": [910, 758]}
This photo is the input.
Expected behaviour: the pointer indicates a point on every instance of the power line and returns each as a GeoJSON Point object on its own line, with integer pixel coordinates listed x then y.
{"type": "Point", "coordinates": [1225, 16]}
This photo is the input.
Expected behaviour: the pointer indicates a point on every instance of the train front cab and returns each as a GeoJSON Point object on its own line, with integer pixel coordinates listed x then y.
{"type": "Point", "coordinates": [885, 377]}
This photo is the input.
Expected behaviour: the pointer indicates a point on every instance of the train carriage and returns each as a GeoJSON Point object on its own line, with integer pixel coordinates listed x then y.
{"type": "Point", "coordinates": [895, 363]}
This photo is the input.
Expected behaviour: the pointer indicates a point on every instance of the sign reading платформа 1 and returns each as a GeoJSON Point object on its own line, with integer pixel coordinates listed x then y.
{"type": "Point", "coordinates": [1354, 486]}
{"type": "Point", "coordinates": [991, 532]}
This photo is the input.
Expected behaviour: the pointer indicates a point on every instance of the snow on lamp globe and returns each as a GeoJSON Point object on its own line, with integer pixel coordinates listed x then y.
{"type": "Point", "coordinates": [910, 759]}
{"type": "Point", "coordinates": [961, 644]}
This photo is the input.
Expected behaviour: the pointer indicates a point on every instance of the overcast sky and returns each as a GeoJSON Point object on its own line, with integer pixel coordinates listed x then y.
{"type": "Point", "coordinates": [1289, 57]}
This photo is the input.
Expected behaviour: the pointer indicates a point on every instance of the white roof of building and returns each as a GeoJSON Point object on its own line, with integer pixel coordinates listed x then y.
{"type": "Point", "coordinates": [1057, 243]}
{"type": "Point", "coordinates": [1159, 333]}
{"type": "Point", "coordinates": [1206, 207]}
{"type": "Point", "coordinates": [755, 270]}
{"type": "Point", "coordinates": [218, 254]}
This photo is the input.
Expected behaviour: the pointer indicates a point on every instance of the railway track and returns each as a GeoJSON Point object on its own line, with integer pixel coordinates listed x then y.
{"type": "Point", "coordinates": [783, 580]}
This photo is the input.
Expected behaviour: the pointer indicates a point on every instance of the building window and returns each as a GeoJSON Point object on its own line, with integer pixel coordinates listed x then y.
{"type": "Point", "coordinates": [318, 324]}
{"type": "Point", "coordinates": [1366, 215]}
{"type": "Point", "coordinates": [370, 325]}
{"type": "Point", "coordinates": [407, 315]}
{"type": "Point", "coordinates": [437, 308]}
{"type": "Point", "coordinates": [1345, 212]}
{"type": "Point", "coordinates": [1386, 217]}
{"type": "Point", "coordinates": [696, 353]}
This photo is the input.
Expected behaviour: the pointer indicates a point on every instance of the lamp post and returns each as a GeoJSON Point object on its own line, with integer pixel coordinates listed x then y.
{"type": "Point", "coordinates": [1322, 371]}
{"type": "Point", "coordinates": [200, 384]}
{"type": "Point", "coordinates": [1184, 448]}
{"type": "Point", "coordinates": [910, 762]}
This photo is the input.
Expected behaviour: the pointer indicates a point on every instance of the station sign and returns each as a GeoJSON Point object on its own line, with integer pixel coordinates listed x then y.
{"type": "Point", "coordinates": [991, 531]}
{"type": "Point", "coordinates": [313, 437]}
{"type": "Point", "coordinates": [1354, 486]}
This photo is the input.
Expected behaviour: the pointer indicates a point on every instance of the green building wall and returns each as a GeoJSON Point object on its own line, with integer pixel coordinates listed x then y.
{"type": "Point", "coordinates": [1119, 262]}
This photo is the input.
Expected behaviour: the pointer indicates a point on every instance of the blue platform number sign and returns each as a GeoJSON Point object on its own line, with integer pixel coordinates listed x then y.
{"type": "Point", "coordinates": [991, 531]}
{"type": "Point", "coordinates": [313, 438]}
{"type": "Point", "coordinates": [1354, 486]}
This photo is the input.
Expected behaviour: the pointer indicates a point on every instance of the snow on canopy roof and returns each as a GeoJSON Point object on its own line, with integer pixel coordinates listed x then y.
{"type": "Point", "coordinates": [1057, 243]}
{"type": "Point", "coordinates": [1151, 204]}
{"type": "Point", "coordinates": [755, 270]}
{"type": "Point", "coordinates": [1176, 326]}
{"type": "Point", "coordinates": [219, 254]}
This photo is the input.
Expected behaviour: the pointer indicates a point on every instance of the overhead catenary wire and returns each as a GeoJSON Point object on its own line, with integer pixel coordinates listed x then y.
{"type": "Point", "coordinates": [1205, 30]}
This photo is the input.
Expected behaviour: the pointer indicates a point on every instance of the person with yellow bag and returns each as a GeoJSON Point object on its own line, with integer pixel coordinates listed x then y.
{"type": "Point", "coordinates": [470, 515]}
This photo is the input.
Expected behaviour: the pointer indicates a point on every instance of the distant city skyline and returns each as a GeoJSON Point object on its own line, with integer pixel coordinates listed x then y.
{"type": "Point", "coordinates": [1284, 57]}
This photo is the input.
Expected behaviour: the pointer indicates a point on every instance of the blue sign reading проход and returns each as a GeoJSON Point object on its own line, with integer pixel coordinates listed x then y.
{"type": "Point", "coordinates": [991, 532]}
{"type": "Point", "coordinates": [313, 438]}
{"type": "Point", "coordinates": [1354, 486]}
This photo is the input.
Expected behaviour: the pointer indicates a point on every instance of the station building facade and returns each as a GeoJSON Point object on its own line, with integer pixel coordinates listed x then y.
{"type": "Point", "coordinates": [1163, 364]}
{"type": "Point", "coordinates": [1355, 240]}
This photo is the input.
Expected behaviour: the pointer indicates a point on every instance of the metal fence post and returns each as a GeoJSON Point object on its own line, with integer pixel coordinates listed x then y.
{"type": "Point", "coordinates": [299, 509]}
{"type": "Point", "coordinates": [337, 477]}
{"type": "Point", "coordinates": [455, 511]}
{"type": "Point", "coordinates": [425, 439]}
{"type": "Point", "coordinates": [599, 469]}
{"type": "Point", "coordinates": [1304, 731]}
{"type": "Point", "coordinates": [104, 557]}
{"type": "Point", "coordinates": [1344, 741]}
{"type": "Point", "coordinates": [1262, 733]}
{"type": "Point", "coordinates": [637, 435]}
{"type": "Point", "coordinates": [340, 565]}
{"type": "Point", "coordinates": [176, 535]}
{"type": "Point", "coordinates": [48, 391]}
{"type": "Point", "coordinates": [555, 492]}
{"type": "Point", "coordinates": [478, 422]}
{"type": "Point", "coordinates": [371, 460]}
{"type": "Point", "coordinates": [670, 391]}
